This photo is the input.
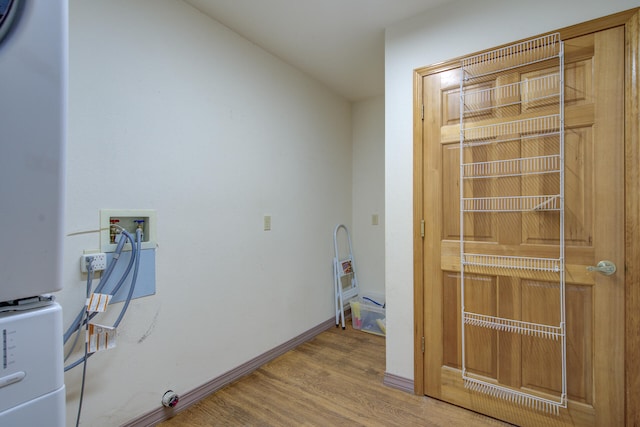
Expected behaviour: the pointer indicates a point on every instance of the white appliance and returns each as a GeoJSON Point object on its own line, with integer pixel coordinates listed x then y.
{"type": "Point", "coordinates": [33, 87]}
{"type": "Point", "coordinates": [32, 381]}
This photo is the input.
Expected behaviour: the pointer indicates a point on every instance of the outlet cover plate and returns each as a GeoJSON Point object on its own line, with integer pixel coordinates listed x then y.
{"type": "Point", "coordinates": [99, 261]}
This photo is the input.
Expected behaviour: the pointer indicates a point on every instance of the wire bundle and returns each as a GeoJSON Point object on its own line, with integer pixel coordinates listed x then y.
{"type": "Point", "coordinates": [83, 318]}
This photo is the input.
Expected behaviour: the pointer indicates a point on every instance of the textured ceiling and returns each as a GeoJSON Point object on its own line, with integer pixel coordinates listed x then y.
{"type": "Point", "coordinates": [338, 42]}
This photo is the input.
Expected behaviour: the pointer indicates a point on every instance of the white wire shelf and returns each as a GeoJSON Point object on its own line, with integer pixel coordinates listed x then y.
{"type": "Point", "coordinates": [515, 396]}
{"type": "Point", "coordinates": [512, 262]}
{"type": "Point", "coordinates": [512, 203]}
{"type": "Point", "coordinates": [514, 326]}
{"type": "Point", "coordinates": [513, 56]}
{"type": "Point", "coordinates": [490, 100]}
{"type": "Point", "coordinates": [540, 88]}
{"type": "Point", "coordinates": [512, 167]}
{"type": "Point", "coordinates": [512, 131]}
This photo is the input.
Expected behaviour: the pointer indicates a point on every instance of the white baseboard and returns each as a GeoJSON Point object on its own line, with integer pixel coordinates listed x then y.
{"type": "Point", "coordinates": [401, 383]}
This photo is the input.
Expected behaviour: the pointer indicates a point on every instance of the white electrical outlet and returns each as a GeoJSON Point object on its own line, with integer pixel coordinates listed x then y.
{"type": "Point", "coordinates": [97, 260]}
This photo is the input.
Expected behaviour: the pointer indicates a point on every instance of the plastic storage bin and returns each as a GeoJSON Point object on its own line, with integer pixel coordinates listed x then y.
{"type": "Point", "coordinates": [368, 314]}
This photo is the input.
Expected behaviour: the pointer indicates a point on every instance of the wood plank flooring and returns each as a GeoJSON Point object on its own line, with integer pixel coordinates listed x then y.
{"type": "Point", "coordinates": [333, 380]}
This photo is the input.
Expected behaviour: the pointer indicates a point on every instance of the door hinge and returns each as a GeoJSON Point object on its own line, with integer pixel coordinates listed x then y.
{"type": "Point", "coordinates": [422, 228]}
{"type": "Point", "coordinates": [422, 112]}
{"type": "Point", "coordinates": [423, 344]}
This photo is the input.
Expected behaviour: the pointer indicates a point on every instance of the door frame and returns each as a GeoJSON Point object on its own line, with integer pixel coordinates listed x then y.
{"type": "Point", "coordinates": [630, 19]}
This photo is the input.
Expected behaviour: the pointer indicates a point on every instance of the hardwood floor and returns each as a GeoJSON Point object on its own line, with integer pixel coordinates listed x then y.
{"type": "Point", "coordinates": [333, 380]}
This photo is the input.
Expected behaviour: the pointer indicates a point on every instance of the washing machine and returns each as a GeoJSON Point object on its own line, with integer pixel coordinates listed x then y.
{"type": "Point", "coordinates": [33, 117]}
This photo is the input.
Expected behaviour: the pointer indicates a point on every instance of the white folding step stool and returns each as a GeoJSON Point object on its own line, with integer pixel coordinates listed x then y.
{"type": "Point", "coordinates": [345, 279]}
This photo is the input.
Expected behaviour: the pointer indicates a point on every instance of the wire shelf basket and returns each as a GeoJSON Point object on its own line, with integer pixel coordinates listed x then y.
{"type": "Point", "coordinates": [515, 396]}
{"type": "Point", "coordinates": [514, 326]}
{"type": "Point", "coordinates": [512, 167]}
{"type": "Point", "coordinates": [512, 203]}
{"type": "Point", "coordinates": [513, 56]}
{"type": "Point", "coordinates": [512, 262]}
{"type": "Point", "coordinates": [539, 88]}
{"type": "Point", "coordinates": [512, 131]}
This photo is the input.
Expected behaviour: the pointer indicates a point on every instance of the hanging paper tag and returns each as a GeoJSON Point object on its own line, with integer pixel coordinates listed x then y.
{"type": "Point", "coordinates": [347, 268]}
{"type": "Point", "coordinates": [100, 337]}
{"type": "Point", "coordinates": [97, 303]}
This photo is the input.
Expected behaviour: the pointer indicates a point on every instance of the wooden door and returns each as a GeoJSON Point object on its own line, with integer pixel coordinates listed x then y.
{"type": "Point", "coordinates": [594, 231]}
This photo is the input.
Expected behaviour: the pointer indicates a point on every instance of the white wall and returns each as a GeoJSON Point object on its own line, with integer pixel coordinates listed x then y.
{"type": "Point", "coordinates": [368, 193]}
{"type": "Point", "coordinates": [171, 111]}
{"type": "Point", "coordinates": [452, 30]}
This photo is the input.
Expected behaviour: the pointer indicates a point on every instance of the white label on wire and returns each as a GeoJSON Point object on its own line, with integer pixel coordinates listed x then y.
{"type": "Point", "coordinates": [97, 303]}
{"type": "Point", "coordinates": [100, 337]}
